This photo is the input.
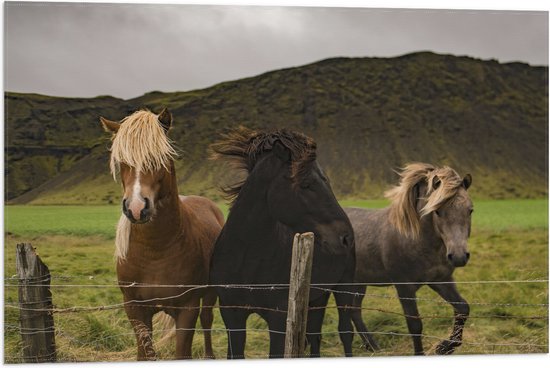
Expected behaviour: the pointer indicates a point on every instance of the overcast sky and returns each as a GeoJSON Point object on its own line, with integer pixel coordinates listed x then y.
{"type": "Point", "coordinates": [85, 50]}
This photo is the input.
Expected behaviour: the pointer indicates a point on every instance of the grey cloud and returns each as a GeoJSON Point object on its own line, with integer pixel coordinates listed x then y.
{"type": "Point", "coordinates": [127, 50]}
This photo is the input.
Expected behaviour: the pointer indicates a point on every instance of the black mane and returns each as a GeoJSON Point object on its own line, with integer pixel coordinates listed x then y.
{"type": "Point", "coordinates": [243, 147]}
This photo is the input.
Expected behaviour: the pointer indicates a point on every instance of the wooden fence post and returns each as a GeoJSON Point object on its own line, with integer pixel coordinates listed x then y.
{"type": "Point", "coordinates": [298, 295]}
{"type": "Point", "coordinates": [35, 301]}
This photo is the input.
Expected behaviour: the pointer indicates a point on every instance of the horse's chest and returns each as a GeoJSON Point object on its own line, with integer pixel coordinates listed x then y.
{"type": "Point", "coordinates": [159, 285]}
{"type": "Point", "coordinates": [415, 265]}
{"type": "Point", "coordinates": [166, 271]}
{"type": "Point", "coordinates": [438, 272]}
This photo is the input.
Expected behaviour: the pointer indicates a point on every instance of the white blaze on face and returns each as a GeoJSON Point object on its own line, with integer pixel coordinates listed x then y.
{"type": "Point", "coordinates": [136, 203]}
{"type": "Point", "coordinates": [137, 189]}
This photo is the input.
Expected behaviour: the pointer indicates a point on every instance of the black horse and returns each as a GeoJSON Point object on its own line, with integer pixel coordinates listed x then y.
{"type": "Point", "coordinates": [285, 192]}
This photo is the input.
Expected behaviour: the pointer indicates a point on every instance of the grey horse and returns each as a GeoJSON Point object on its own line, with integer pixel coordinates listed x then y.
{"type": "Point", "coordinates": [418, 240]}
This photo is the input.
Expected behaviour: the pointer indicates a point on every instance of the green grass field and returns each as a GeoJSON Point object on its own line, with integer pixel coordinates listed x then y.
{"type": "Point", "coordinates": [490, 215]}
{"type": "Point", "coordinates": [509, 242]}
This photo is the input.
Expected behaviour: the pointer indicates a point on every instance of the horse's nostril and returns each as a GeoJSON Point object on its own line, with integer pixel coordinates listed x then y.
{"type": "Point", "coordinates": [145, 211]}
{"type": "Point", "coordinates": [126, 211]}
{"type": "Point", "coordinates": [450, 257]}
{"type": "Point", "coordinates": [467, 255]}
{"type": "Point", "coordinates": [124, 208]}
{"type": "Point", "coordinates": [346, 240]}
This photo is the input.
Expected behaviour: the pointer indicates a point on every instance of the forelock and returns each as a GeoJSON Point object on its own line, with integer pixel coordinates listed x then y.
{"type": "Point", "coordinates": [141, 143]}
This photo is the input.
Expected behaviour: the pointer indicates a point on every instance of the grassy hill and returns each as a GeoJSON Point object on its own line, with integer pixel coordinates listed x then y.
{"type": "Point", "coordinates": [368, 116]}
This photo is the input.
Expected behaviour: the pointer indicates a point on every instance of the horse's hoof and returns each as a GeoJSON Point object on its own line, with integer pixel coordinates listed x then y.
{"type": "Point", "coordinates": [369, 343]}
{"type": "Point", "coordinates": [371, 346]}
{"type": "Point", "coordinates": [446, 347]}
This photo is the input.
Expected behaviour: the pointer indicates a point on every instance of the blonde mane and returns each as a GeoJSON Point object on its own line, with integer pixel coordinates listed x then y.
{"type": "Point", "coordinates": [122, 240]}
{"type": "Point", "coordinates": [442, 184]}
{"type": "Point", "coordinates": [141, 143]}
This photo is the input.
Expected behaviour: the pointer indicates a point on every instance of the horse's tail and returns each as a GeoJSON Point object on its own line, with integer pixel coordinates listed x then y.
{"type": "Point", "coordinates": [166, 326]}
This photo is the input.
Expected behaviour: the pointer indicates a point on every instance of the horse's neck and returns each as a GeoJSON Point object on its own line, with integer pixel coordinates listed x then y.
{"type": "Point", "coordinates": [428, 237]}
{"type": "Point", "coordinates": [167, 223]}
{"type": "Point", "coordinates": [249, 220]}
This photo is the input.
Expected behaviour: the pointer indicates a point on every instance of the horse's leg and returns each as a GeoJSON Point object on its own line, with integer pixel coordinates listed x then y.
{"type": "Point", "coordinates": [461, 310]}
{"type": "Point", "coordinates": [207, 318]}
{"type": "Point", "coordinates": [407, 297]}
{"type": "Point", "coordinates": [314, 325]}
{"type": "Point", "coordinates": [344, 301]}
{"type": "Point", "coordinates": [141, 319]}
{"type": "Point", "coordinates": [276, 322]}
{"type": "Point", "coordinates": [357, 318]}
{"type": "Point", "coordinates": [235, 324]}
{"type": "Point", "coordinates": [186, 321]}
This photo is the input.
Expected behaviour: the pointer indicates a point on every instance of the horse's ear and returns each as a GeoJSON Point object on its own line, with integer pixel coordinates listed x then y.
{"type": "Point", "coordinates": [281, 151]}
{"type": "Point", "coordinates": [165, 119]}
{"type": "Point", "coordinates": [109, 126]}
{"type": "Point", "coordinates": [436, 182]}
{"type": "Point", "coordinates": [467, 181]}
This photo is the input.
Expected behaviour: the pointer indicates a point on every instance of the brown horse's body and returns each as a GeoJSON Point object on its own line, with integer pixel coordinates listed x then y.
{"type": "Point", "coordinates": [159, 255]}
{"type": "Point", "coordinates": [164, 241]}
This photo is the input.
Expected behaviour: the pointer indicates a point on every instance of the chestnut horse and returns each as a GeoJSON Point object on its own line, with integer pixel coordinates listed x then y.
{"type": "Point", "coordinates": [419, 239]}
{"type": "Point", "coordinates": [162, 238]}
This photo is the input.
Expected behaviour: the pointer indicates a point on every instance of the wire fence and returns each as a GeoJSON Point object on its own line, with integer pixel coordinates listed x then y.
{"type": "Point", "coordinates": [267, 330]}
{"type": "Point", "coordinates": [480, 310]}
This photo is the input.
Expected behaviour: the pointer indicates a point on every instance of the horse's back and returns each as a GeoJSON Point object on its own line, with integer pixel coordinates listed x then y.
{"type": "Point", "coordinates": [205, 208]}
{"type": "Point", "coordinates": [366, 223]}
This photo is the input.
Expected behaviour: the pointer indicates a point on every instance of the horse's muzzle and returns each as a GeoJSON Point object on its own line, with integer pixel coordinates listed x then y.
{"type": "Point", "coordinates": [338, 244]}
{"type": "Point", "coordinates": [458, 260]}
{"type": "Point", "coordinates": [144, 213]}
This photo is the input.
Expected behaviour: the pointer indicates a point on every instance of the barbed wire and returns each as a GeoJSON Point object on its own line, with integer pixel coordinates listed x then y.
{"type": "Point", "coordinates": [155, 303]}
{"type": "Point", "coordinates": [442, 301]}
{"type": "Point", "coordinates": [61, 277]}
{"type": "Point", "coordinates": [36, 357]}
{"type": "Point", "coordinates": [385, 296]}
{"type": "Point", "coordinates": [277, 310]}
{"type": "Point", "coordinates": [251, 287]}
{"type": "Point", "coordinates": [133, 284]}
{"type": "Point", "coordinates": [115, 280]}
{"type": "Point", "coordinates": [484, 346]}
{"type": "Point", "coordinates": [268, 330]}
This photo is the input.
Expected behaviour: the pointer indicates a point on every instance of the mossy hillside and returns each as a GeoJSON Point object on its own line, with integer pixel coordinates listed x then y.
{"type": "Point", "coordinates": [369, 116]}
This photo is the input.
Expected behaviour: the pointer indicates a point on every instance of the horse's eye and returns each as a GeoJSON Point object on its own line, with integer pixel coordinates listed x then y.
{"type": "Point", "coordinates": [437, 213]}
